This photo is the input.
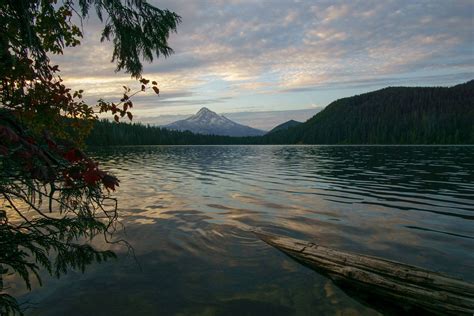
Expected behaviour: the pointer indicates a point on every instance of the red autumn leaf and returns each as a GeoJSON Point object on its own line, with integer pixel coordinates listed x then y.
{"type": "Point", "coordinates": [73, 155]}
{"type": "Point", "coordinates": [110, 182]}
{"type": "Point", "coordinates": [91, 176]}
{"type": "Point", "coordinates": [70, 155]}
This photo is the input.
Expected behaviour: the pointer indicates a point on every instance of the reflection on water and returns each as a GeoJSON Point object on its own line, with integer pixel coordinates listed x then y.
{"type": "Point", "coordinates": [187, 211]}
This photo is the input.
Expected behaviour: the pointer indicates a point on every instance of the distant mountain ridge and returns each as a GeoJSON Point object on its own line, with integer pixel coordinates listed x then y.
{"type": "Point", "coordinates": [208, 122]}
{"type": "Point", "coordinates": [285, 126]}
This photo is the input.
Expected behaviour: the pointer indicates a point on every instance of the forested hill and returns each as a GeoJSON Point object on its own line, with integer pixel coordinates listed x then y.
{"type": "Point", "coordinates": [284, 126]}
{"type": "Point", "coordinates": [394, 115]}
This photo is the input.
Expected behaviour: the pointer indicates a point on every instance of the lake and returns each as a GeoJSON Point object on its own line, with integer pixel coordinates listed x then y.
{"type": "Point", "coordinates": [187, 211]}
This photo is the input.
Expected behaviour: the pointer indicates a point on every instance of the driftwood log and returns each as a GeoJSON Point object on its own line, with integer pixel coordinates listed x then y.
{"type": "Point", "coordinates": [392, 288]}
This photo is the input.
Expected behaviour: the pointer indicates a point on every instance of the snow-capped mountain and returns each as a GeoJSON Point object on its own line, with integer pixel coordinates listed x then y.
{"type": "Point", "coordinates": [208, 122]}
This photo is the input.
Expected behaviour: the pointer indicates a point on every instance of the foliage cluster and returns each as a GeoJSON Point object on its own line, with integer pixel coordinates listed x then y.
{"type": "Point", "coordinates": [53, 198]}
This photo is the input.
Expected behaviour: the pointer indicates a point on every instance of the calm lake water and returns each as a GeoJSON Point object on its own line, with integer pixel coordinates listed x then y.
{"type": "Point", "coordinates": [187, 211]}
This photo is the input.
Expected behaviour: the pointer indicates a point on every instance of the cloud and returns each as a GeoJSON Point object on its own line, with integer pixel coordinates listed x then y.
{"type": "Point", "coordinates": [437, 80]}
{"type": "Point", "coordinates": [227, 52]}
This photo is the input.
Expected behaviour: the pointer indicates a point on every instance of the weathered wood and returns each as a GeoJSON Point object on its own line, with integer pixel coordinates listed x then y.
{"type": "Point", "coordinates": [389, 286]}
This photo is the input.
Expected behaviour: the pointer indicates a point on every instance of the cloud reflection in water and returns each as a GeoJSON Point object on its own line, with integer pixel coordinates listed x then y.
{"type": "Point", "coordinates": [187, 211]}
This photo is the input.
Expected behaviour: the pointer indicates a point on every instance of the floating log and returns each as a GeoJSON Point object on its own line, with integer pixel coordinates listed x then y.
{"type": "Point", "coordinates": [391, 287]}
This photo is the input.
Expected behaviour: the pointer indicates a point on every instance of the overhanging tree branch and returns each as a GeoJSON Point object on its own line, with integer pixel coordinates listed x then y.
{"type": "Point", "coordinates": [53, 198]}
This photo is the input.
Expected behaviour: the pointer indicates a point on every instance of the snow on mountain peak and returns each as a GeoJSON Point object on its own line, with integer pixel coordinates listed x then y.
{"type": "Point", "coordinates": [204, 110]}
{"type": "Point", "coordinates": [205, 117]}
{"type": "Point", "coordinates": [206, 121]}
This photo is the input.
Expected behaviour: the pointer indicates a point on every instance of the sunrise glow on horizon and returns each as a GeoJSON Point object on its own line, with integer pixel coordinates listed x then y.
{"type": "Point", "coordinates": [284, 60]}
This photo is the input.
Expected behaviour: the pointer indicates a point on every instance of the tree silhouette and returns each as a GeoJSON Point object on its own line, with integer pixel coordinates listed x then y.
{"type": "Point", "coordinates": [53, 198]}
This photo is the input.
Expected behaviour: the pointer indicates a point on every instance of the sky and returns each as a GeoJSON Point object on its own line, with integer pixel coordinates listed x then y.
{"type": "Point", "coordinates": [262, 63]}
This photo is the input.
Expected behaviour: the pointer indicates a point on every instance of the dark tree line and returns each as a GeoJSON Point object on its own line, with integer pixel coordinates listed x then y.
{"type": "Point", "coordinates": [395, 115]}
{"type": "Point", "coordinates": [110, 133]}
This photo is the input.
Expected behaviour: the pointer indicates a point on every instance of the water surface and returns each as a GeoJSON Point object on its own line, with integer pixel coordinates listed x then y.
{"type": "Point", "coordinates": [187, 211]}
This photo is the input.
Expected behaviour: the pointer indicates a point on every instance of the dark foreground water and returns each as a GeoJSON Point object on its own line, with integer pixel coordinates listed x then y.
{"type": "Point", "coordinates": [187, 210]}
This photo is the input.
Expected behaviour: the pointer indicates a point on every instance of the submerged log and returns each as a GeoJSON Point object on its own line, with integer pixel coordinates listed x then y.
{"type": "Point", "coordinates": [388, 286]}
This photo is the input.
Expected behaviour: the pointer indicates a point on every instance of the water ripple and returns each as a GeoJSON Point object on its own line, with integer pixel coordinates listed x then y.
{"type": "Point", "coordinates": [382, 200]}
